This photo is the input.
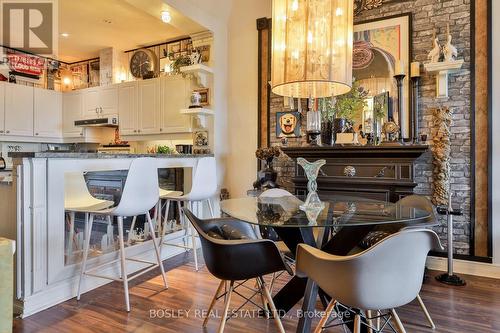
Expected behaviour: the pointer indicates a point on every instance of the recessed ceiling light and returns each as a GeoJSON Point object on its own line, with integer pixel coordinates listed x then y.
{"type": "Point", "coordinates": [65, 35]}
{"type": "Point", "coordinates": [165, 16]}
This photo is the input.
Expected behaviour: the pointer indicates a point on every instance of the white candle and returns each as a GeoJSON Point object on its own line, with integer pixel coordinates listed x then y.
{"type": "Point", "coordinates": [400, 68]}
{"type": "Point", "coordinates": [415, 69]}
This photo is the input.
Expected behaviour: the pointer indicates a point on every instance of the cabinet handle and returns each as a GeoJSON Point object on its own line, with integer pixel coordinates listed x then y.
{"type": "Point", "coordinates": [135, 131]}
{"type": "Point", "coordinates": [161, 129]}
{"type": "Point", "coordinates": [1, 131]}
{"type": "Point", "coordinates": [96, 110]}
{"type": "Point", "coordinates": [101, 109]}
{"type": "Point", "coordinates": [36, 133]}
{"type": "Point", "coordinates": [7, 131]}
{"type": "Point", "coordinates": [81, 133]}
{"type": "Point", "coordinates": [139, 131]}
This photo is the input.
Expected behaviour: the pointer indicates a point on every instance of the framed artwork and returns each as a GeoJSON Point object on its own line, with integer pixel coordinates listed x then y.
{"type": "Point", "coordinates": [205, 96]}
{"type": "Point", "coordinates": [378, 44]}
{"type": "Point", "coordinates": [94, 70]}
{"type": "Point", "coordinates": [288, 124]}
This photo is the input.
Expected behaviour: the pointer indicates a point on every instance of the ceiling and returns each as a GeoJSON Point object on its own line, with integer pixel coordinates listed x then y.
{"type": "Point", "coordinates": [123, 24]}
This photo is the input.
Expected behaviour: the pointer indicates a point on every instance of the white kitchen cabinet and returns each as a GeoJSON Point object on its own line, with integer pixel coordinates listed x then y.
{"type": "Point", "coordinates": [47, 113]}
{"type": "Point", "coordinates": [149, 106]}
{"type": "Point", "coordinates": [18, 110]}
{"type": "Point", "coordinates": [175, 92]}
{"type": "Point", "coordinates": [100, 101]}
{"type": "Point", "coordinates": [2, 108]}
{"type": "Point", "coordinates": [72, 110]}
{"type": "Point", "coordinates": [128, 108]}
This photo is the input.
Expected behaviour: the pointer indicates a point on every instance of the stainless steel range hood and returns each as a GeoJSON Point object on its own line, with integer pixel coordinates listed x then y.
{"type": "Point", "coordinates": [110, 121]}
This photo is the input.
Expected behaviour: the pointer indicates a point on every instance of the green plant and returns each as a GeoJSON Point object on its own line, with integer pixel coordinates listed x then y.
{"type": "Point", "coordinates": [350, 104]}
{"type": "Point", "coordinates": [164, 150]}
{"type": "Point", "coordinates": [179, 62]}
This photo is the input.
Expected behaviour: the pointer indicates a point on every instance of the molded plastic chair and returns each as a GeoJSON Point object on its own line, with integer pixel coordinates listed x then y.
{"type": "Point", "coordinates": [139, 195]}
{"type": "Point", "coordinates": [77, 199]}
{"type": "Point", "coordinates": [237, 260]}
{"type": "Point", "coordinates": [203, 189]}
{"type": "Point", "coordinates": [386, 276]}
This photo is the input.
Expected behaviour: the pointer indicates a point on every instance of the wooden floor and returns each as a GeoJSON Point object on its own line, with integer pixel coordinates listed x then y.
{"type": "Point", "coordinates": [474, 308]}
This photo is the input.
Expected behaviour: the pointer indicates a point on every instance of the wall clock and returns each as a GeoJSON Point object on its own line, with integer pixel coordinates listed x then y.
{"type": "Point", "coordinates": [142, 63]}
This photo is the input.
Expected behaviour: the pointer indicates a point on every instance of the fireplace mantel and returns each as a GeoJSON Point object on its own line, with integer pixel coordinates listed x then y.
{"type": "Point", "coordinates": [383, 172]}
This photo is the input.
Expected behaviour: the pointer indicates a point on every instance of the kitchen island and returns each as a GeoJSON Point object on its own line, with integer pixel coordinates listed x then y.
{"type": "Point", "coordinates": [45, 274]}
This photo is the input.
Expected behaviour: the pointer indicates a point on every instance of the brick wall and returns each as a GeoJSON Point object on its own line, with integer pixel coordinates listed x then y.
{"type": "Point", "coordinates": [427, 15]}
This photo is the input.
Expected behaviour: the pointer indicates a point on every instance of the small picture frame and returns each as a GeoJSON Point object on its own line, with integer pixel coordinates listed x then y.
{"type": "Point", "coordinates": [205, 96]}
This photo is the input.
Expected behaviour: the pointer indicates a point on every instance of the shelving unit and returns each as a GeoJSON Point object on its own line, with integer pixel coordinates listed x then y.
{"type": "Point", "coordinates": [199, 116]}
{"type": "Point", "coordinates": [201, 72]}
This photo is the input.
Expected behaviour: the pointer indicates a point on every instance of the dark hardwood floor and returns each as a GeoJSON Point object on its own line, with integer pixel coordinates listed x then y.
{"type": "Point", "coordinates": [474, 308]}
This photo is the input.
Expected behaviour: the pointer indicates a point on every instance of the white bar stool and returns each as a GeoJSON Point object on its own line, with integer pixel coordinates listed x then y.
{"type": "Point", "coordinates": [77, 199]}
{"type": "Point", "coordinates": [139, 195]}
{"type": "Point", "coordinates": [204, 187]}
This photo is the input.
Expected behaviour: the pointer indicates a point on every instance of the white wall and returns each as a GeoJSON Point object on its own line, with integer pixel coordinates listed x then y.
{"type": "Point", "coordinates": [496, 132]}
{"type": "Point", "coordinates": [243, 93]}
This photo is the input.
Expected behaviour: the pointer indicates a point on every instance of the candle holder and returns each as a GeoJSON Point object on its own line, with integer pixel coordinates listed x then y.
{"type": "Point", "coordinates": [399, 80]}
{"type": "Point", "coordinates": [415, 80]}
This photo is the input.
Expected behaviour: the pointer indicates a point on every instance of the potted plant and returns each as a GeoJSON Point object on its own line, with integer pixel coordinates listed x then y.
{"type": "Point", "coordinates": [327, 107]}
{"type": "Point", "coordinates": [347, 106]}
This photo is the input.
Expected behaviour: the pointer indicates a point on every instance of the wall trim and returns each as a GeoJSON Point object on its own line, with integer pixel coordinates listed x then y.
{"type": "Point", "coordinates": [465, 267]}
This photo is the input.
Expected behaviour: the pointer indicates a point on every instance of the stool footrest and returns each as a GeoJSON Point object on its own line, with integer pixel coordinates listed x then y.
{"type": "Point", "coordinates": [131, 277]}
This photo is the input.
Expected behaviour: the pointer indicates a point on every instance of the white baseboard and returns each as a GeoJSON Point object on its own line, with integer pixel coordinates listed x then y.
{"type": "Point", "coordinates": [465, 267]}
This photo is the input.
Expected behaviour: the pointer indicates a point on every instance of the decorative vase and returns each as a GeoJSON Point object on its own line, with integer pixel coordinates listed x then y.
{"type": "Point", "coordinates": [268, 176]}
{"type": "Point", "coordinates": [313, 205]}
{"type": "Point", "coordinates": [339, 125]}
{"type": "Point", "coordinates": [377, 131]}
{"type": "Point", "coordinates": [327, 133]}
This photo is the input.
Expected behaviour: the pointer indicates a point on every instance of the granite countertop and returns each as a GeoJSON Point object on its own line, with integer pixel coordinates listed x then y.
{"type": "Point", "coordinates": [99, 155]}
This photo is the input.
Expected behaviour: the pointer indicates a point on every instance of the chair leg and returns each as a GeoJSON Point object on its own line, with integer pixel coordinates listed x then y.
{"type": "Point", "coordinates": [157, 250]}
{"type": "Point", "coordinates": [324, 319]}
{"type": "Point", "coordinates": [165, 223]}
{"type": "Point", "coordinates": [270, 301]}
{"type": "Point", "coordinates": [398, 322]}
{"type": "Point", "coordinates": [193, 239]}
{"type": "Point", "coordinates": [262, 298]}
{"type": "Point", "coordinates": [369, 321]}
{"type": "Point", "coordinates": [123, 270]}
{"type": "Point", "coordinates": [377, 324]}
{"type": "Point", "coordinates": [183, 222]}
{"type": "Point", "coordinates": [211, 208]}
{"type": "Point", "coordinates": [357, 324]}
{"type": "Point", "coordinates": [226, 308]}
{"type": "Point", "coordinates": [87, 233]}
{"type": "Point", "coordinates": [71, 242]}
{"type": "Point", "coordinates": [212, 303]}
{"type": "Point", "coordinates": [426, 312]}
{"type": "Point", "coordinates": [132, 227]}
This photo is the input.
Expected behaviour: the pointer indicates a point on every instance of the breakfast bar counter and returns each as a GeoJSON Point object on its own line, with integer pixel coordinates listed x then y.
{"type": "Point", "coordinates": [45, 276]}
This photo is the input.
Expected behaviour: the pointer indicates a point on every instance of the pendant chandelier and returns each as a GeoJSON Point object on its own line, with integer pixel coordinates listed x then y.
{"type": "Point", "coordinates": [312, 48]}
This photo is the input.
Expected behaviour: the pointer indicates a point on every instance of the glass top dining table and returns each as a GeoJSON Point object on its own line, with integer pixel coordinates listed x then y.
{"type": "Point", "coordinates": [350, 218]}
{"type": "Point", "coordinates": [339, 211]}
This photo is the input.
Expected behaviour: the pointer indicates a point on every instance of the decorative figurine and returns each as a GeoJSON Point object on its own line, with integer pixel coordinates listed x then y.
{"type": "Point", "coordinates": [313, 205]}
{"type": "Point", "coordinates": [450, 52]}
{"type": "Point", "coordinates": [435, 53]}
{"type": "Point", "coordinates": [195, 57]}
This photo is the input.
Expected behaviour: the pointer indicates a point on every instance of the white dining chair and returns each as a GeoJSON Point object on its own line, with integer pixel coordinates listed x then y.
{"type": "Point", "coordinates": [77, 199]}
{"type": "Point", "coordinates": [203, 189]}
{"type": "Point", "coordinates": [385, 276]}
{"type": "Point", "coordinates": [139, 195]}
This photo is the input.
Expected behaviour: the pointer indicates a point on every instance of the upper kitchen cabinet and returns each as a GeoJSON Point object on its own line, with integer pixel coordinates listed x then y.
{"type": "Point", "coordinates": [175, 92]}
{"type": "Point", "coordinates": [72, 110]}
{"type": "Point", "coordinates": [100, 101]}
{"type": "Point", "coordinates": [18, 110]}
{"type": "Point", "coordinates": [48, 120]}
{"type": "Point", "coordinates": [128, 108]}
{"type": "Point", "coordinates": [149, 106]}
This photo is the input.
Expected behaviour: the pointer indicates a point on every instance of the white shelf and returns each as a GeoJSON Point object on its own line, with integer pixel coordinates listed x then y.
{"type": "Point", "coordinates": [198, 111]}
{"type": "Point", "coordinates": [442, 70]}
{"type": "Point", "coordinates": [201, 72]}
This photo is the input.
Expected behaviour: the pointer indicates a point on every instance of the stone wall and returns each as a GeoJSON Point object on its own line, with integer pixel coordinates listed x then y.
{"type": "Point", "coordinates": [427, 15]}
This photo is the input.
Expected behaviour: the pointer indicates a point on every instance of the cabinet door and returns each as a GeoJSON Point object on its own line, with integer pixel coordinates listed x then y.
{"type": "Point", "coordinates": [2, 108]}
{"type": "Point", "coordinates": [108, 100]}
{"type": "Point", "coordinates": [149, 106]}
{"type": "Point", "coordinates": [127, 108]}
{"type": "Point", "coordinates": [175, 91]}
{"type": "Point", "coordinates": [18, 110]}
{"type": "Point", "coordinates": [72, 110]}
{"type": "Point", "coordinates": [91, 103]}
{"type": "Point", "coordinates": [47, 113]}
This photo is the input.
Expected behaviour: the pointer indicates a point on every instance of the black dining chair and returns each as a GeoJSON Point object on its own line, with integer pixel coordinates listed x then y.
{"type": "Point", "coordinates": [234, 254]}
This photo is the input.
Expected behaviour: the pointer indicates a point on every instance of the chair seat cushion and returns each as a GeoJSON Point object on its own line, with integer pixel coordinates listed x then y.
{"type": "Point", "coordinates": [372, 238]}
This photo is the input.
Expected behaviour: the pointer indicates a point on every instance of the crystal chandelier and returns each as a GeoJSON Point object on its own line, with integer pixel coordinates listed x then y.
{"type": "Point", "coordinates": [312, 48]}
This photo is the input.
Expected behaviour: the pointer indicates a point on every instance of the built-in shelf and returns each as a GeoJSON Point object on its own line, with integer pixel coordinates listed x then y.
{"type": "Point", "coordinates": [201, 72]}
{"type": "Point", "coordinates": [442, 70]}
{"type": "Point", "coordinates": [198, 117]}
{"type": "Point", "coordinates": [198, 111]}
